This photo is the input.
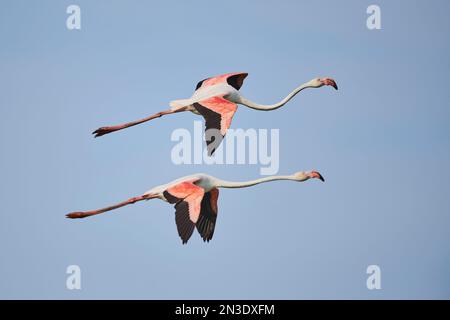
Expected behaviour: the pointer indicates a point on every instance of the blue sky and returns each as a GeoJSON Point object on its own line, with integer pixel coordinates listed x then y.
{"type": "Point", "coordinates": [382, 142]}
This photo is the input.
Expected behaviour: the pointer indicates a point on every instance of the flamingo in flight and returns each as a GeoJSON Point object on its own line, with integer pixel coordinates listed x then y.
{"type": "Point", "coordinates": [195, 198]}
{"type": "Point", "coordinates": [216, 100]}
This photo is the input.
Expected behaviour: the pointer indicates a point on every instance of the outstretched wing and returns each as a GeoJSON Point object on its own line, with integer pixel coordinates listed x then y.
{"type": "Point", "coordinates": [235, 80]}
{"type": "Point", "coordinates": [218, 113]}
{"type": "Point", "coordinates": [208, 215]}
{"type": "Point", "coordinates": [187, 198]}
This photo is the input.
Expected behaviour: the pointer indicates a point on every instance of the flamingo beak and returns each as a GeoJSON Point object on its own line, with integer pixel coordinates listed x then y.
{"type": "Point", "coordinates": [317, 175]}
{"type": "Point", "coordinates": [329, 82]}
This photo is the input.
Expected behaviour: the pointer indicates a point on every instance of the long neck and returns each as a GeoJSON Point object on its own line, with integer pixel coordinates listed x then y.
{"type": "Point", "coordinates": [263, 107]}
{"type": "Point", "coordinates": [244, 184]}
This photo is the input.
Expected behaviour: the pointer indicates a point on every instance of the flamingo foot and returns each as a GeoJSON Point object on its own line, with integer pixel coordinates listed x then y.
{"type": "Point", "coordinates": [102, 131]}
{"type": "Point", "coordinates": [76, 215]}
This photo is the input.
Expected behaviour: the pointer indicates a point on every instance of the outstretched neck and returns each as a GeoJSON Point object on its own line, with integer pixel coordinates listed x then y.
{"type": "Point", "coordinates": [263, 107]}
{"type": "Point", "coordinates": [244, 184]}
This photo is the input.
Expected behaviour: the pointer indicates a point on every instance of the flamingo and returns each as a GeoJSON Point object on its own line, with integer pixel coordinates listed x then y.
{"type": "Point", "coordinates": [195, 199]}
{"type": "Point", "coordinates": [216, 100]}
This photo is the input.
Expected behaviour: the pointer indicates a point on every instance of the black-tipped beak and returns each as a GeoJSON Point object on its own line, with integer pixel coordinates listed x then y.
{"type": "Point", "coordinates": [330, 82]}
{"type": "Point", "coordinates": [317, 175]}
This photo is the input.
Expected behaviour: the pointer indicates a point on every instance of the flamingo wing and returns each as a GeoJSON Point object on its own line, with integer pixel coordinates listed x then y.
{"type": "Point", "coordinates": [208, 215]}
{"type": "Point", "coordinates": [218, 113]}
{"type": "Point", "coordinates": [187, 198]}
{"type": "Point", "coordinates": [235, 80]}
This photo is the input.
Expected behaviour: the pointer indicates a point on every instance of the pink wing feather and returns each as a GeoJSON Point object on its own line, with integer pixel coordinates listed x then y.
{"type": "Point", "coordinates": [218, 113]}
{"type": "Point", "coordinates": [235, 79]}
{"type": "Point", "coordinates": [193, 208]}
{"type": "Point", "coordinates": [187, 198]}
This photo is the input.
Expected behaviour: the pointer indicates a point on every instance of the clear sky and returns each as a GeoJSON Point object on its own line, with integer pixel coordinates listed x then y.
{"type": "Point", "coordinates": [382, 143]}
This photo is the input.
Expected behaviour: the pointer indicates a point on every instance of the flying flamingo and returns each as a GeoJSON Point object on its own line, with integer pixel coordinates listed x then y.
{"type": "Point", "coordinates": [195, 198]}
{"type": "Point", "coordinates": [216, 100]}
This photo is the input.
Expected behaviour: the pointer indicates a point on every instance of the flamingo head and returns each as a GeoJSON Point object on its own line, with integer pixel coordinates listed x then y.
{"type": "Point", "coordinates": [320, 82]}
{"type": "Point", "coordinates": [302, 175]}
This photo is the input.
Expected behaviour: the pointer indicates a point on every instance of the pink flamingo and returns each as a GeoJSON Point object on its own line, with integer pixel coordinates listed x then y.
{"type": "Point", "coordinates": [195, 198]}
{"type": "Point", "coordinates": [216, 100]}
